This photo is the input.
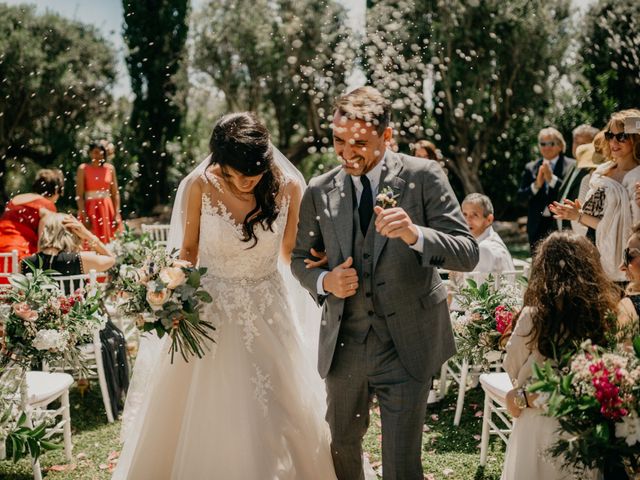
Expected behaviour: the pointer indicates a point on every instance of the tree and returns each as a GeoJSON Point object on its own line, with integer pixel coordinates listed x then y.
{"type": "Point", "coordinates": [155, 32]}
{"type": "Point", "coordinates": [56, 78]}
{"type": "Point", "coordinates": [284, 59]}
{"type": "Point", "coordinates": [466, 72]}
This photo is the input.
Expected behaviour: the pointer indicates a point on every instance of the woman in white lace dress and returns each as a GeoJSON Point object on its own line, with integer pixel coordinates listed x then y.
{"type": "Point", "coordinates": [252, 408]}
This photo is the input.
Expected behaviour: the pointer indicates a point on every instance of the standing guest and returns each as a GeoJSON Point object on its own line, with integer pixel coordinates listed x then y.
{"type": "Point", "coordinates": [494, 255]}
{"type": "Point", "coordinates": [97, 194]}
{"type": "Point", "coordinates": [566, 302]}
{"type": "Point", "coordinates": [611, 208]}
{"type": "Point", "coordinates": [425, 149]}
{"type": "Point", "coordinates": [570, 188]}
{"type": "Point", "coordinates": [21, 218]}
{"type": "Point", "coordinates": [540, 184]}
{"type": "Point", "coordinates": [629, 307]}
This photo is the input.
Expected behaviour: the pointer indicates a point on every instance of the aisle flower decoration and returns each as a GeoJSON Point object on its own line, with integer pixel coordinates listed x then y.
{"type": "Point", "coordinates": [41, 324]}
{"type": "Point", "coordinates": [594, 393]}
{"type": "Point", "coordinates": [165, 296]}
{"type": "Point", "coordinates": [486, 314]}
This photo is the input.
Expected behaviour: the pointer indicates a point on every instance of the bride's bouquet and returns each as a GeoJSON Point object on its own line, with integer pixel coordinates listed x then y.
{"type": "Point", "coordinates": [594, 393]}
{"type": "Point", "coordinates": [129, 248]}
{"type": "Point", "coordinates": [487, 314]}
{"type": "Point", "coordinates": [165, 296]}
{"type": "Point", "coordinates": [41, 324]}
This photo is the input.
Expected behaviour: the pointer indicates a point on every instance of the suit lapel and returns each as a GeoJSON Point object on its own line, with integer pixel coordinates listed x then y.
{"type": "Point", "coordinates": [340, 201]}
{"type": "Point", "coordinates": [389, 178]}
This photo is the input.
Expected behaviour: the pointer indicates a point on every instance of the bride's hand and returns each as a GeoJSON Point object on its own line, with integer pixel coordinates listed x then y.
{"type": "Point", "coordinates": [321, 262]}
{"type": "Point", "coordinates": [566, 211]}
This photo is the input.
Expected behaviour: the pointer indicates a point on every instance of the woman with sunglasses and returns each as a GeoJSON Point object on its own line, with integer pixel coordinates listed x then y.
{"type": "Point", "coordinates": [629, 308]}
{"type": "Point", "coordinates": [611, 208]}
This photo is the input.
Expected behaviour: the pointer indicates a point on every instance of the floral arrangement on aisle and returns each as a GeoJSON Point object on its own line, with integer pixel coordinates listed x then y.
{"type": "Point", "coordinates": [165, 296]}
{"type": "Point", "coordinates": [594, 393]}
{"type": "Point", "coordinates": [486, 314]}
{"type": "Point", "coordinates": [41, 324]}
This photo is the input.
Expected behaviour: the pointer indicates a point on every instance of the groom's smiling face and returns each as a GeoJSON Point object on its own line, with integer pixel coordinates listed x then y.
{"type": "Point", "coordinates": [357, 143]}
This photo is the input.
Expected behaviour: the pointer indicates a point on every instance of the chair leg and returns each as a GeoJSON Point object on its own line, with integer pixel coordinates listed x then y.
{"type": "Point", "coordinates": [442, 383]}
{"type": "Point", "coordinates": [35, 464]}
{"type": "Point", "coordinates": [462, 390]}
{"type": "Point", "coordinates": [101, 376]}
{"type": "Point", "coordinates": [66, 416]}
{"type": "Point", "coordinates": [484, 442]}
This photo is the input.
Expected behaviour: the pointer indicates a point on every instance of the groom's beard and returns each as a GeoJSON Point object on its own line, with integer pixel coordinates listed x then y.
{"type": "Point", "coordinates": [355, 166]}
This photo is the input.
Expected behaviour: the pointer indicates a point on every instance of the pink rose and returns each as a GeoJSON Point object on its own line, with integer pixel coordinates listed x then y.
{"type": "Point", "coordinates": [157, 299]}
{"type": "Point", "coordinates": [504, 317]}
{"type": "Point", "coordinates": [24, 311]}
{"type": "Point", "coordinates": [181, 264]}
{"type": "Point", "coordinates": [172, 277]}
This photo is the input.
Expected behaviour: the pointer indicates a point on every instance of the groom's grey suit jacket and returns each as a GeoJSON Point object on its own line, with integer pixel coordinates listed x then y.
{"type": "Point", "coordinates": [407, 290]}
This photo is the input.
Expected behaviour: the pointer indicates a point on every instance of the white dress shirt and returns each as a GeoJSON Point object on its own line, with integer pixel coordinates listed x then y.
{"type": "Point", "coordinates": [494, 255]}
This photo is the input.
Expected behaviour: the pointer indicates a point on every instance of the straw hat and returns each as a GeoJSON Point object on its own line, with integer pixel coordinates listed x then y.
{"type": "Point", "coordinates": [587, 157]}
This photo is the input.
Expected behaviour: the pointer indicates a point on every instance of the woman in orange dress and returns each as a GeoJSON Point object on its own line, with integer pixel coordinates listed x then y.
{"type": "Point", "coordinates": [21, 218]}
{"type": "Point", "coordinates": [97, 194]}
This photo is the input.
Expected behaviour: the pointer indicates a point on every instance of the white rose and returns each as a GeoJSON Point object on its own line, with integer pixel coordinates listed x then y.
{"type": "Point", "coordinates": [156, 299]}
{"type": "Point", "coordinates": [172, 277]}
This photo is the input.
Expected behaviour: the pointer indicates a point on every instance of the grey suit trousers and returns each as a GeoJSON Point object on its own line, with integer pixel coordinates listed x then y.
{"type": "Point", "coordinates": [359, 371]}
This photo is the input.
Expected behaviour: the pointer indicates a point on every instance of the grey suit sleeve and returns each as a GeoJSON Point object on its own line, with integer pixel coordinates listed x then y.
{"type": "Point", "coordinates": [309, 236]}
{"type": "Point", "coordinates": [447, 240]}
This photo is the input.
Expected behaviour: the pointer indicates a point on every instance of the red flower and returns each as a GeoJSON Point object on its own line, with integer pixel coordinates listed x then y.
{"type": "Point", "coordinates": [503, 317]}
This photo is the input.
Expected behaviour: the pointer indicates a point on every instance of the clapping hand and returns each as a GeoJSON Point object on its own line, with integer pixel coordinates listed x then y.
{"type": "Point", "coordinates": [321, 262]}
{"type": "Point", "coordinates": [566, 211]}
{"type": "Point", "coordinates": [546, 171]}
{"type": "Point", "coordinates": [395, 223]}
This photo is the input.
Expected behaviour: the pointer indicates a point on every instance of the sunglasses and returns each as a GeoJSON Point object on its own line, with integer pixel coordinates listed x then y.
{"type": "Point", "coordinates": [620, 137]}
{"type": "Point", "coordinates": [629, 254]}
{"type": "Point", "coordinates": [547, 144]}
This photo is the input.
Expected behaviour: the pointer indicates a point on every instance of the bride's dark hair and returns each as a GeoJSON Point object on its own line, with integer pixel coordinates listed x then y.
{"type": "Point", "coordinates": [242, 142]}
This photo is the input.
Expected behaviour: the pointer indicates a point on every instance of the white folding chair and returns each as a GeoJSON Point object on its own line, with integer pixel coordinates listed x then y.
{"type": "Point", "coordinates": [8, 263]}
{"type": "Point", "coordinates": [42, 389]}
{"type": "Point", "coordinates": [495, 386]}
{"type": "Point", "coordinates": [460, 371]}
{"type": "Point", "coordinates": [91, 353]}
{"type": "Point", "coordinates": [159, 233]}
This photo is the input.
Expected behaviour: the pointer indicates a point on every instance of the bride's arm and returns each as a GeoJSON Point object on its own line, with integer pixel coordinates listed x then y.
{"type": "Point", "coordinates": [294, 192]}
{"type": "Point", "coordinates": [191, 240]}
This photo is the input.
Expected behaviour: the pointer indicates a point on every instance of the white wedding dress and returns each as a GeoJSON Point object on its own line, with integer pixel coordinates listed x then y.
{"type": "Point", "coordinates": [253, 407]}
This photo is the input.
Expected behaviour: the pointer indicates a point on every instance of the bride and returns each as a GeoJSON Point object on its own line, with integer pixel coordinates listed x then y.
{"type": "Point", "coordinates": [252, 407]}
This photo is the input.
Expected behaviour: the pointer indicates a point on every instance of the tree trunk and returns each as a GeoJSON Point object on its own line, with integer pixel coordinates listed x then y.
{"type": "Point", "coordinates": [468, 174]}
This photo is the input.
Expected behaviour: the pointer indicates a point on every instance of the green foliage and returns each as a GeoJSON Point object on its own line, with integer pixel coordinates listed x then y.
{"type": "Point", "coordinates": [155, 33]}
{"type": "Point", "coordinates": [56, 75]}
{"type": "Point", "coordinates": [25, 441]}
{"type": "Point", "coordinates": [285, 60]}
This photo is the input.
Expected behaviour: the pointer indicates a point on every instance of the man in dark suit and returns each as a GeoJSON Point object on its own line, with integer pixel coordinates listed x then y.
{"type": "Point", "coordinates": [541, 182]}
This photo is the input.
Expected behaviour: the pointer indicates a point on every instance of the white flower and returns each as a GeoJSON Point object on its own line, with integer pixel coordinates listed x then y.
{"type": "Point", "coordinates": [172, 277]}
{"type": "Point", "coordinates": [629, 429]}
{"type": "Point", "coordinates": [129, 272]}
{"type": "Point", "coordinates": [51, 340]}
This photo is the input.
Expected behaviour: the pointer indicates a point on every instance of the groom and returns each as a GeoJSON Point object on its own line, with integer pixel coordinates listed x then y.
{"type": "Point", "coordinates": [385, 326]}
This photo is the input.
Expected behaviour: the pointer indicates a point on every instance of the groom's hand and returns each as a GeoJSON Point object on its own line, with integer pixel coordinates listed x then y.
{"type": "Point", "coordinates": [395, 223]}
{"type": "Point", "coordinates": [342, 281]}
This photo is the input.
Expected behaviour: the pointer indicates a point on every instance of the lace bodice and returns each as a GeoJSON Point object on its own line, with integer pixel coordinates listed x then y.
{"type": "Point", "coordinates": [222, 250]}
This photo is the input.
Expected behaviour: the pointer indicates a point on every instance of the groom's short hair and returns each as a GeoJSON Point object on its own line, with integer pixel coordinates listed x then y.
{"type": "Point", "coordinates": [365, 103]}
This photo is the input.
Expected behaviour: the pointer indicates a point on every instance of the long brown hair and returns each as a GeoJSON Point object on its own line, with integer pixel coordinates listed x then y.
{"type": "Point", "coordinates": [570, 295]}
{"type": "Point", "coordinates": [242, 142]}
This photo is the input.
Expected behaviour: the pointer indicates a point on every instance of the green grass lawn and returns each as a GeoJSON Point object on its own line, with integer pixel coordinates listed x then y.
{"type": "Point", "coordinates": [448, 452]}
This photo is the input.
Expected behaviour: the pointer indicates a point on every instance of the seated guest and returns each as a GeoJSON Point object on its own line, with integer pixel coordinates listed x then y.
{"type": "Point", "coordinates": [21, 217]}
{"type": "Point", "coordinates": [59, 247]}
{"type": "Point", "coordinates": [494, 255]}
{"type": "Point", "coordinates": [567, 301]}
{"type": "Point", "coordinates": [629, 307]}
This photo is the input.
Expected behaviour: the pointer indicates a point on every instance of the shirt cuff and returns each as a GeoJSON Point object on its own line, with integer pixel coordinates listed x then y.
{"type": "Point", "coordinates": [553, 182]}
{"type": "Point", "coordinates": [534, 189]}
{"type": "Point", "coordinates": [319, 287]}
{"type": "Point", "coordinates": [419, 245]}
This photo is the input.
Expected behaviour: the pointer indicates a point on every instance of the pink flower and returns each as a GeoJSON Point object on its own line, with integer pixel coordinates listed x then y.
{"type": "Point", "coordinates": [607, 393]}
{"type": "Point", "coordinates": [503, 317]}
{"type": "Point", "coordinates": [24, 311]}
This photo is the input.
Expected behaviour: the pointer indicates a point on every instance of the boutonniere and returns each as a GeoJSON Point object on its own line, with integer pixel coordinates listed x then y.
{"type": "Point", "coordinates": [386, 198]}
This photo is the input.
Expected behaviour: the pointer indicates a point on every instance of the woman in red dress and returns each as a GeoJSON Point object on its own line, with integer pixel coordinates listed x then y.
{"type": "Point", "coordinates": [97, 194]}
{"type": "Point", "coordinates": [21, 218]}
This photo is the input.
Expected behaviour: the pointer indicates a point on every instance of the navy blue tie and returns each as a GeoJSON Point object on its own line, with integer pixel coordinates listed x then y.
{"type": "Point", "coordinates": [365, 207]}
